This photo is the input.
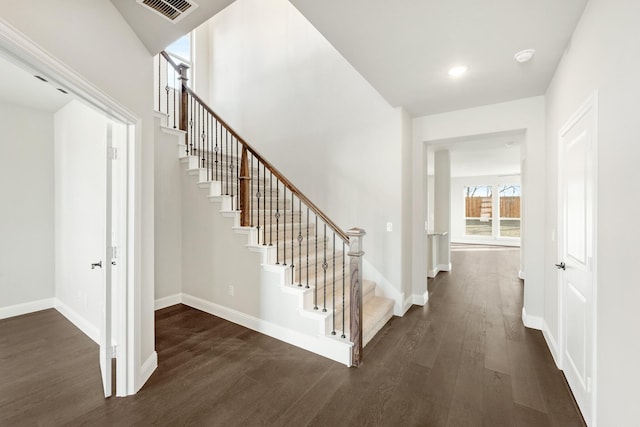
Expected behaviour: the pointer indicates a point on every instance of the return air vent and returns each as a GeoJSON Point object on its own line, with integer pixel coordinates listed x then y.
{"type": "Point", "coordinates": [173, 10]}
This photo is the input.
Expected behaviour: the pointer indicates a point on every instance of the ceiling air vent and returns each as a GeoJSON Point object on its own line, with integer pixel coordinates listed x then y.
{"type": "Point", "coordinates": [173, 10]}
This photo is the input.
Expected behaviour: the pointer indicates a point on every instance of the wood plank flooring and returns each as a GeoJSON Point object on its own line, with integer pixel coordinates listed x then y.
{"type": "Point", "coordinates": [463, 360]}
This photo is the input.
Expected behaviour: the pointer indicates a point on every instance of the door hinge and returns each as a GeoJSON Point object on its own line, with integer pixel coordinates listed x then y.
{"type": "Point", "coordinates": [114, 252]}
{"type": "Point", "coordinates": [113, 153]}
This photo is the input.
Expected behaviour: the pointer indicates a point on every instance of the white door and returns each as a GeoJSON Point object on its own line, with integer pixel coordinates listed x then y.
{"type": "Point", "coordinates": [576, 248]}
{"type": "Point", "coordinates": [83, 219]}
{"type": "Point", "coordinates": [108, 257]}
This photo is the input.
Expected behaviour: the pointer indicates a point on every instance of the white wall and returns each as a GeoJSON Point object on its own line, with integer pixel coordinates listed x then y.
{"type": "Point", "coordinates": [93, 39]}
{"type": "Point", "coordinates": [290, 94]}
{"type": "Point", "coordinates": [80, 170]}
{"type": "Point", "coordinates": [458, 219]}
{"type": "Point", "coordinates": [525, 114]}
{"type": "Point", "coordinates": [604, 56]}
{"type": "Point", "coordinates": [168, 215]}
{"type": "Point", "coordinates": [26, 215]}
{"type": "Point", "coordinates": [442, 206]}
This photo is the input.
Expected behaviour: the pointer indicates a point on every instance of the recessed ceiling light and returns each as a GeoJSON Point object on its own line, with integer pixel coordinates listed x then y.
{"type": "Point", "coordinates": [524, 55]}
{"type": "Point", "coordinates": [458, 70]}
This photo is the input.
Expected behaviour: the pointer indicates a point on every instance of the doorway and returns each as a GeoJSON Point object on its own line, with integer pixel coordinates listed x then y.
{"type": "Point", "coordinates": [87, 305]}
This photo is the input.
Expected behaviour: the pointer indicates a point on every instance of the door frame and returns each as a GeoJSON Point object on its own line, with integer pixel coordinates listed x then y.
{"type": "Point", "coordinates": [126, 324]}
{"type": "Point", "coordinates": [590, 105]}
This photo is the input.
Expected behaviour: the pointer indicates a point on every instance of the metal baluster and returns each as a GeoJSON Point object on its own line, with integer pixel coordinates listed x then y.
{"type": "Point", "coordinates": [299, 241]}
{"type": "Point", "coordinates": [292, 256]}
{"type": "Point", "coordinates": [307, 286]}
{"type": "Point", "coordinates": [277, 221]}
{"type": "Point", "coordinates": [210, 149]}
{"type": "Point", "coordinates": [324, 267]}
{"type": "Point", "coordinates": [174, 97]}
{"type": "Point", "coordinates": [343, 289]}
{"type": "Point", "coordinates": [237, 175]}
{"type": "Point", "coordinates": [166, 88]}
{"type": "Point", "coordinates": [333, 294]}
{"type": "Point", "coordinates": [203, 137]}
{"type": "Point", "coordinates": [315, 289]}
{"type": "Point", "coordinates": [264, 213]}
{"type": "Point", "coordinates": [292, 244]}
{"type": "Point", "coordinates": [270, 208]}
{"type": "Point", "coordinates": [159, 83]}
{"type": "Point", "coordinates": [258, 196]}
{"type": "Point", "coordinates": [226, 146]}
{"type": "Point", "coordinates": [215, 150]}
{"type": "Point", "coordinates": [284, 225]}
{"type": "Point", "coordinates": [191, 125]}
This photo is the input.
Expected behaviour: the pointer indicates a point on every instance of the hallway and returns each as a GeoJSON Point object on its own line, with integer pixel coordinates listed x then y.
{"type": "Point", "coordinates": [463, 360]}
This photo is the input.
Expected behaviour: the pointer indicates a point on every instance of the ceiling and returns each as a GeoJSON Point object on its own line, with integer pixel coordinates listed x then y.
{"type": "Point", "coordinates": [404, 48]}
{"type": "Point", "coordinates": [157, 32]}
{"type": "Point", "coordinates": [18, 86]}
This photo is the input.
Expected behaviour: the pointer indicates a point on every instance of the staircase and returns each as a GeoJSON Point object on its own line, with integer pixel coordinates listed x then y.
{"type": "Point", "coordinates": [316, 261]}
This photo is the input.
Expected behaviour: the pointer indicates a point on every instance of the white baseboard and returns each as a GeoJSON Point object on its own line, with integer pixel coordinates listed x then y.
{"type": "Point", "coordinates": [81, 323]}
{"type": "Point", "coordinates": [408, 302]}
{"type": "Point", "coordinates": [551, 343]}
{"type": "Point", "coordinates": [147, 368]}
{"type": "Point", "coordinates": [168, 301]}
{"type": "Point", "coordinates": [533, 322]}
{"type": "Point", "coordinates": [444, 267]}
{"type": "Point", "coordinates": [433, 273]}
{"type": "Point", "coordinates": [420, 299]}
{"type": "Point", "coordinates": [521, 275]}
{"type": "Point", "coordinates": [26, 308]}
{"type": "Point", "coordinates": [324, 346]}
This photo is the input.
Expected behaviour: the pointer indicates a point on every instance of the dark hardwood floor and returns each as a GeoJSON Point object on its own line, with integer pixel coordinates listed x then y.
{"type": "Point", "coordinates": [463, 360]}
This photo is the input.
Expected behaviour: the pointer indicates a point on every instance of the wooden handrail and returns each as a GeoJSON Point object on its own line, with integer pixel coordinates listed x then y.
{"type": "Point", "coordinates": [279, 175]}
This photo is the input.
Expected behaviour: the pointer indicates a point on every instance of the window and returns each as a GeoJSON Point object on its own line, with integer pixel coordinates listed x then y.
{"type": "Point", "coordinates": [478, 210]}
{"type": "Point", "coordinates": [180, 52]}
{"type": "Point", "coordinates": [509, 210]}
{"type": "Point", "coordinates": [491, 214]}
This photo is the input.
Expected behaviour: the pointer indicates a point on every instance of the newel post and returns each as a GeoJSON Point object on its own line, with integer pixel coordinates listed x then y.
{"type": "Point", "coordinates": [355, 270]}
{"type": "Point", "coordinates": [245, 189]}
{"type": "Point", "coordinates": [184, 103]}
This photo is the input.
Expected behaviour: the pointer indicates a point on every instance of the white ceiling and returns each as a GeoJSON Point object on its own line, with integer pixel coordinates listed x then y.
{"type": "Point", "coordinates": [404, 48]}
{"type": "Point", "coordinates": [18, 86]}
{"type": "Point", "coordinates": [157, 32]}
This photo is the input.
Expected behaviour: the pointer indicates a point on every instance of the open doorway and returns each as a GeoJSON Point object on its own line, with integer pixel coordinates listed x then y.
{"type": "Point", "coordinates": [67, 199]}
{"type": "Point", "coordinates": [484, 193]}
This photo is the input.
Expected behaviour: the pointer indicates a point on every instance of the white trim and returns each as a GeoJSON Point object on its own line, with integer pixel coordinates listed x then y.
{"type": "Point", "coordinates": [148, 367]}
{"type": "Point", "coordinates": [24, 50]}
{"type": "Point", "coordinates": [521, 275]}
{"type": "Point", "coordinates": [80, 322]}
{"type": "Point", "coordinates": [420, 299]}
{"type": "Point", "coordinates": [551, 343]}
{"type": "Point", "coordinates": [530, 321]}
{"type": "Point", "coordinates": [26, 308]}
{"type": "Point", "coordinates": [168, 301]}
{"type": "Point", "coordinates": [329, 348]}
